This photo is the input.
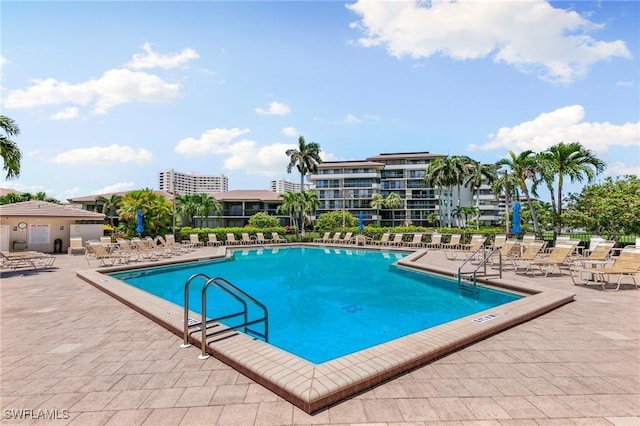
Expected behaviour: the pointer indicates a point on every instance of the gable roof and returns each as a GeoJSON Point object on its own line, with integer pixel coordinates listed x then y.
{"type": "Point", "coordinates": [36, 208]}
{"type": "Point", "coordinates": [92, 198]}
{"type": "Point", "coordinates": [247, 195]}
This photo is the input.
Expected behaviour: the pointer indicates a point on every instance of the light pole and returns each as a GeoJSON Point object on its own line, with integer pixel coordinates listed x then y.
{"type": "Point", "coordinates": [506, 201]}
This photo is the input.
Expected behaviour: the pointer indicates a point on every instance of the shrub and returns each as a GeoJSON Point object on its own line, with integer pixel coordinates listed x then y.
{"type": "Point", "coordinates": [263, 220]}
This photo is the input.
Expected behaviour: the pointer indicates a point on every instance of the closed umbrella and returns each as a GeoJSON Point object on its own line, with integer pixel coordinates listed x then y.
{"type": "Point", "coordinates": [139, 223]}
{"type": "Point", "coordinates": [515, 226]}
{"type": "Point", "coordinates": [361, 222]}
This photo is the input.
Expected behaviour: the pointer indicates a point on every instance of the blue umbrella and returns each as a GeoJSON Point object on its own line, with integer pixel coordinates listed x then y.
{"type": "Point", "coordinates": [515, 227]}
{"type": "Point", "coordinates": [139, 223]}
{"type": "Point", "coordinates": [361, 222]}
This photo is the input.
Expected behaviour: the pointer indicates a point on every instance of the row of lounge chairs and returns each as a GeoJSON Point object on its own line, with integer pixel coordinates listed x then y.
{"type": "Point", "coordinates": [26, 259]}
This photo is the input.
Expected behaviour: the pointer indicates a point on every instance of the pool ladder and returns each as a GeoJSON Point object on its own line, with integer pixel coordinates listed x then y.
{"type": "Point", "coordinates": [468, 280]}
{"type": "Point", "coordinates": [205, 324]}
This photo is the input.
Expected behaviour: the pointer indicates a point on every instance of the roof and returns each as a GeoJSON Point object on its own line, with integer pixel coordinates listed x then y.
{"type": "Point", "coordinates": [355, 163]}
{"type": "Point", "coordinates": [404, 155]}
{"type": "Point", "coordinates": [108, 195]}
{"type": "Point", "coordinates": [247, 195]}
{"type": "Point", "coordinates": [45, 209]}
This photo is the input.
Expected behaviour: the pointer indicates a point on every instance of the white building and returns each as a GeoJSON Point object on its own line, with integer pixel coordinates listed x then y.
{"type": "Point", "coordinates": [282, 185]}
{"type": "Point", "coordinates": [191, 183]}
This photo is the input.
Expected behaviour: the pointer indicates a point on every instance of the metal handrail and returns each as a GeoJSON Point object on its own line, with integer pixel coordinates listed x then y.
{"type": "Point", "coordinates": [232, 291]}
{"type": "Point", "coordinates": [483, 264]}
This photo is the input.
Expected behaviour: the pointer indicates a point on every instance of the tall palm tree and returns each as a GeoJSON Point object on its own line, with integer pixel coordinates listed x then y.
{"type": "Point", "coordinates": [377, 202]}
{"type": "Point", "coordinates": [477, 175]}
{"type": "Point", "coordinates": [524, 167]}
{"type": "Point", "coordinates": [156, 209]}
{"type": "Point", "coordinates": [572, 160]}
{"type": "Point", "coordinates": [110, 205]}
{"type": "Point", "coordinates": [205, 205]}
{"type": "Point", "coordinates": [310, 202]}
{"type": "Point", "coordinates": [306, 159]}
{"type": "Point", "coordinates": [11, 154]}
{"type": "Point", "coordinates": [393, 201]}
{"type": "Point", "coordinates": [447, 172]}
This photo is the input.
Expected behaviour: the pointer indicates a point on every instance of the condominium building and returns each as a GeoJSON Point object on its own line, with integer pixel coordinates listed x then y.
{"type": "Point", "coordinates": [352, 184]}
{"type": "Point", "coordinates": [282, 185]}
{"type": "Point", "coordinates": [191, 183]}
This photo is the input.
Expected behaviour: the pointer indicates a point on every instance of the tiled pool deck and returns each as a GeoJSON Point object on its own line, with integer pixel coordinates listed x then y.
{"type": "Point", "coordinates": [68, 346]}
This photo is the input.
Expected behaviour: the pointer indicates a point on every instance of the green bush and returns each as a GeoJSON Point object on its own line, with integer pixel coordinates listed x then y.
{"type": "Point", "coordinates": [264, 220]}
{"type": "Point", "coordinates": [335, 220]}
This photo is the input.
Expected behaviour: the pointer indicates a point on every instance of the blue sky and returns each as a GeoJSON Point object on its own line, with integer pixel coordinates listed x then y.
{"type": "Point", "coordinates": [108, 94]}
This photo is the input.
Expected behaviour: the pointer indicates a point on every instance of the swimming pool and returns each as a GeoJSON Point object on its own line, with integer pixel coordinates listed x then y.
{"type": "Point", "coordinates": [325, 303]}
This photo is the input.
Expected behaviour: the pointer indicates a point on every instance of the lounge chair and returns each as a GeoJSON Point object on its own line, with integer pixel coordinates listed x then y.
{"type": "Point", "coordinates": [598, 256]}
{"type": "Point", "coordinates": [435, 242]}
{"type": "Point", "coordinates": [259, 237]}
{"type": "Point", "coordinates": [213, 240]}
{"type": "Point", "coordinates": [384, 239]}
{"type": "Point", "coordinates": [558, 257]}
{"type": "Point", "coordinates": [325, 238]}
{"type": "Point", "coordinates": [505, 252]}
{"type": "Point", "coordinates": [195, 240]}
{"type": "Point", "coordinates": [29, 259]}
{"type": "Point", "coordinates": [499, 240]}
{"type": "Point", "coordinates": [466, 251]}
{"type": "Point", "coordinates": [396, 241]}
{"type": "Point", "coordinates": [231, 240]}
{"type": "Point", "coordinates": [346, 239]}
{"type": "Point", "coordinates": [336, 237]}
{"type": "Point", "coordinates": [76, 246]}
{"type": "Point", "coordinates": [415, 242]}
{"type": "Point", "coordinates": [530, 251]}
{"type": "Point", "coordinates": [106, 257]}
{"type": "Point", "coordinates": [277, 239]}
{"type": "Point", "coordinates": [246, 239]}
{"type": "Point", "coordinates": [170, 240]}
{"type": "Point", "coordinates": [454, 242]}
{"type": "Point", "coordinates": [626, 265]}
{"type": "Point", "coordinates": [125, 248]}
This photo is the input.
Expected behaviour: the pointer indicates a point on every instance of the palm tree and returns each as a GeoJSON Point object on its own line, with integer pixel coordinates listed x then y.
{"type": "Point", "coordinates": [306, 159]}
{"type": "Point", "coordinates": [393, 201]}
{"type": "Point", "coordinates": [110, 205]}
{"type": "Point", "coordinates": [205, 205]}
{"type": "Point", "coordinates": [572, 160]}
{"type": "Point", "coordinates": [377, 202]}
{"type": "Point", "coordinates": [156, 209]}
{"type": "Point", "coordinates": [477, 175]}
{"type": "Point", "coordinates": [290, 205]}
{"type": "Point", "coordinates": [523, 168]}
{"type": "Point", "coordinates": [447, 172]}
{"type": "Point", "coordinates": [466, 212]}
{"type": "Point", "coordinates": [11, 154]}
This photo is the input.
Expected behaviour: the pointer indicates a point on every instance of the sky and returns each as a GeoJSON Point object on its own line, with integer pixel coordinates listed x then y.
{"type": "Point", "coordinates": [108, 94]}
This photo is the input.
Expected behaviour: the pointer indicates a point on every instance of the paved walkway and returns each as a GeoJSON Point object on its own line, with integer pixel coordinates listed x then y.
{"type": "Point", "coordinates": [72, 352]}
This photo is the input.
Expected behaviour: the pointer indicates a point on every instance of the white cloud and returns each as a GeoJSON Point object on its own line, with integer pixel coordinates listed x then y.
{"type": "Point", "coordinates": [213, 141]}
{"type": "Point", "coordinates": [562, 125]}
{"type": "Point", "coordinates": [116, 187]}
{"type": "Point", "coordinates": [620, 169]}
{"type": "Point", "coordinates": [253, 159]}
{"type": "Point", "coordinates": [66, 114]}
{"type": "Point", "coordinates": [115, 87]}
{"type": "Point", "coordinates": [275, 108]}
{"type": "Point", "coordinates": [291, 131]}
{"type": "Point", "coordinates": [351, 119]}
{"type": "Point", "coordinates": [629, 83]}
{"type": "Point", "coordinates": [151, 59]}
{"type": "Point", "coordinates": [532, 36]}
{"type": "Point", "coordinates": [104, 155]}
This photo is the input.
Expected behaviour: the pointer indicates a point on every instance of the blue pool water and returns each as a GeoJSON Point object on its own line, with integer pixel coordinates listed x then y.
{"type": "Point", "coordinates": [323, 303]}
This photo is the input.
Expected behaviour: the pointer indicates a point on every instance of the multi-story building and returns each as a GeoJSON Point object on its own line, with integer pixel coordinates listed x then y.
{"type": "Point", "coordinates": [352, 184]}
{"type": "Point", "coordinates": [239, 205]}
{"type": "Point", "coordinates": [282, 185]}
{"type": "Point", "coordinates": [191, 183]}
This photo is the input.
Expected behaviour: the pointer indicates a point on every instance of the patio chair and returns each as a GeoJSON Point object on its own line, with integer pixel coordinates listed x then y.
{"type": "Point", "coordinates": [195, 240]}
{"type": "Point", "coordinates": [246, 239]}
{"type": "Point", "coordinates": [213, 240]}
{"type": "Point", "coordinates": [396, 241]}
{"type": "Point", "coordinates": [415, 242]}
{"type": "Point", "coordinates": [125, 248]}
{"type": "Point", "coordinates": [336, 237]}
{"type": "Point", "coordinates": [325, 238]}
{"type": "Point", "coordinates": [499, 240]}
{"type": "Point", "coordinates": [532, 251]}
{"type": "Point", "coordinates": [231, 240]}
{"type": "Point", "coordinates": [505, 252]}
{"type": "Point", "coordinates": [626, 265]}
{"type": "Point", "coordinates": [261, 239]}
{"type": "Point", "coordinates": [347, 238]}
{"type": "Point", "coordinates": [76, 246]}
{"type": "Point", "coordinates": [558, 257]}
{"type": "Point", "coordinates": [453, 243]}
{"type": "Point", "coordinates": [106, 257]}
{"type": "Point", "coordinates": [436, 241]}
{"type": "Point", "coordinates": [384, 239]}
{"type": "Point", "coordinates": [277, 239]}
{"type": "Point", "coordinates": [466, 250]}
{"type": "Point", "coordinates": [598, 256]}
{"type": "Point", "coordinates": [30, 259]}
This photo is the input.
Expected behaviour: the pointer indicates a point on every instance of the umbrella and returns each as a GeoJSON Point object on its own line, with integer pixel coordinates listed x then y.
{"type": "Point", "coordinates": [139, 223]}
{"type": "Point", "coordinates": [361, 222]}
{"type": "Point", "coordinates": [515, 227]}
